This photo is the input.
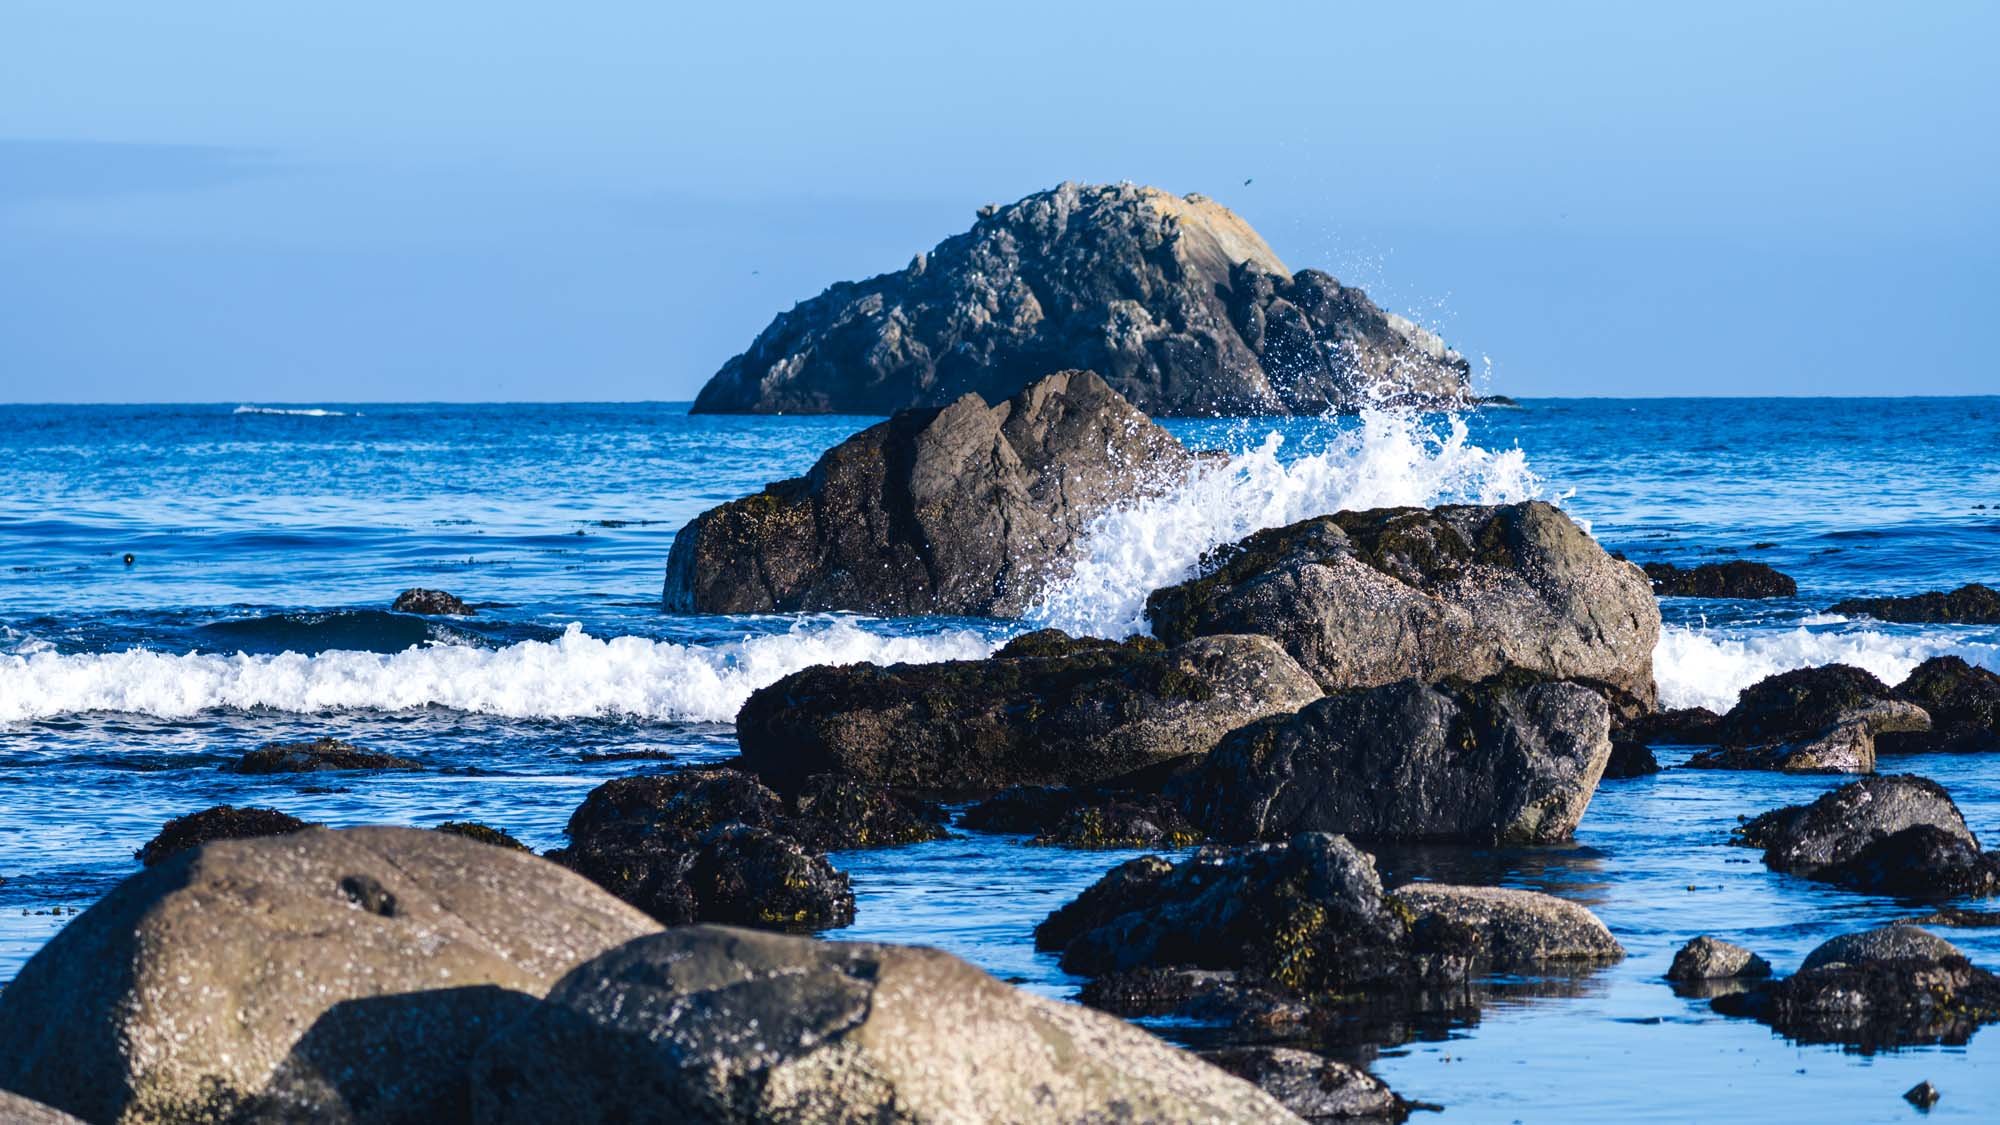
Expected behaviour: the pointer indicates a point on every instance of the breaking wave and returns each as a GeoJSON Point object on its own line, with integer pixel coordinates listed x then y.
{"type": "Point", "coordinates": [295, 412]}
{"type": "Point", "coordinates": [1705, 668]}
{"type": "Point", "coordinates": [1392, 458]}
{"type": "Point", "coordinates": [573, 676]}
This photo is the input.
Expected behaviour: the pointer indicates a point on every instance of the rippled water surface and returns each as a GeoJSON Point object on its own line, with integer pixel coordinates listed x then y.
{"type": "Point", "coordinates": [266, 547]}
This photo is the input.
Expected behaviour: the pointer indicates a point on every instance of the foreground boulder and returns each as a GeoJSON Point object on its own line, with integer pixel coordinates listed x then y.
{"type": "Point", "coordinates": [431, 603]}
{"type": "Point", "coordinates": [325, 975]}
{"type": "Point", "coordinates": [17, 1110]}
{"type": "Point", "coordinates": [1737, 578]}
{"type": "Point", "coordinates": [1892, 987]}
{"type": "Point", "coordinates": [223, 822]}
{"type": "Point", "coordinates": [1090, 714]}
{"type": "Point", "coordinates": [319, 755]}
{"type": "Point", "coordinates": [969, 509]}
{"type": "Point", "coordinates": [721, 1025]}
{"type": "Point", "coordinates": [1896, 834]}
{"type": "Point", "coordinates": [1810, 720]}
{"type": "Point", "coordinates": [1363, 599]}
{"type": "Point", "coordinates": [1972, 604]}
{"type": "Point", "coordinates": [1509, 760]}
{"type": "Point", "coordinates": [1963, 701]}
{"type": "Point", "coordinates": [1175, 299]}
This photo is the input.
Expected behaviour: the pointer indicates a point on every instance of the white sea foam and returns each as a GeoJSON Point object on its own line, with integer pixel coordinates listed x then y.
{"type": "Point", "coordinates": [575, 676]}
{"type": "Point", "coordinates": [1704, 668]}
{"type": "Point", "coordinates": [297, 412]}
{"type": "Point", "coordinates": [1391, 458]}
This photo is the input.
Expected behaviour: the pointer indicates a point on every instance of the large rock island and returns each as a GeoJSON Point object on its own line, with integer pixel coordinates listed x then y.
{"type": "Point", "coordinates": [1175, 300]}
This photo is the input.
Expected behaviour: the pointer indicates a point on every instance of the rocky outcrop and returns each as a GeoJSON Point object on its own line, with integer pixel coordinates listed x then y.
{"type": "Point", "coordinates": [1897, 834]}
{"type": "Point", "coordinates": [1508, 760]}
{"type": "Point", "coordinates": [326, 975]}
{"type": "Point", "coordinates": [1082, 718]}
{"type": "Point", "coordinates": [1363, 599]}
{"type": "Point", "coordinates": [1886, 988]}
{"type": "Point", "coordinates": [968, 509]}
{"type": "Point", "coordinates": [1810, 720]}
{"type": "Point", "coordinates": [1963, 701]}
{"type": "Point", "coordinates": [1972, 604]}
{"type": "Point", "coordinates": [1313, 1086]}
{"type": "Point", "coordinates": [223, 822]}
{"type": "Point", "coordinates": [1706, 958]}
{"type": "Point", "coordinates": [1175, 300]}
{"type": "Point", "coordinates": [1737, 578]}
{"type": "Point", "coordinates": [321, 754]}
{"type": "Point", "coordinates": [720, 1025]}
{"type": "Point", "coordinates": [1090, 819]}
{"type": "Point", "coordinates": [431, 603]}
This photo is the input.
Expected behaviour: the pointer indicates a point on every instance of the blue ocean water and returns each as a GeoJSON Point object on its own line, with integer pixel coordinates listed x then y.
{"type": "Point", "coordinates": [267, 543]}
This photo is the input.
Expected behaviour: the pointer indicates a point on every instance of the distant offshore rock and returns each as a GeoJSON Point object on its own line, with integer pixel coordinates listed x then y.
{"type": "Point", "coordinates": [431, 603]}
{"type": "Point", "coordinates": [1175, 300]}
{"type": "Point", "coordinates": [965, 510]}
{"type": "Point", "coordinates": [1971, 604]}
{"type": "Point", "coordinates": [1737, 578]}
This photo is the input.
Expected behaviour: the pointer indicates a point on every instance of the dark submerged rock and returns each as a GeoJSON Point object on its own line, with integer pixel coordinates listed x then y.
{"type": "Point", "coordinates": [1923, 1095]}
{"type": "Point", "coordinates": [1810, 720]}
{"type": "Point", "coordinates": [1922, 861]}
{"type": "Point", "coordinates": [1706, 958]}
{"type": "Point", "coordinates": [1511, 759]}
{"type": "Point", "coordinates": [712, 1024]}
{"type": "Point", "coordinates": [1177, 301]}
{"type": "Point", "coordinates": [833, 813]}
{"type": "Point", "coordinates": [1963, 701]}
{"type": "Point", "coordinates": [1629, 760]}
{"type": "Point", "coordinates": [1082, 718]}
{"type": "Point", "coordinates": [1084, 818]}
{"type": "Point", "coordinates": [1971, 604]}
{"type": "Point", "coordinates": [223, 822]}
{"type": "Point", "coordinates": [1737, 578]}
{"type": "Point", "coordinates": [321, 754]}
{"type": "Point", "coordinates": [1313, 1086]}
{"type": "Point", "coordinates": [1886, 988]}
{"type": "Point", "coordinates": [1896, 834]}
{"type": "Point", "coordinates": [969, 509]}
{"type": "Point", "coordinates": [431, 603]}
{"type": "Point", "coordinates": [1363, 599]}
{"type": "Point", "coordinates": [472, 830]}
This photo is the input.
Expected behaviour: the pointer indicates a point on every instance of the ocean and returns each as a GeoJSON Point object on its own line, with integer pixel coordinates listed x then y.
{"type": "Point", "coordinates": [266, 544]}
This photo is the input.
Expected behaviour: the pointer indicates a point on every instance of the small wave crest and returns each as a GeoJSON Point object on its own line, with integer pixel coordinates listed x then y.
{"type": "Point", "coordinates": [295, 412]}
{"type": "Point", "coordinates": [1709, 668]}
{"type": "Point", "coordinates": [1393, 457]}
{"type": "Point", "coordinates": [573, 676]}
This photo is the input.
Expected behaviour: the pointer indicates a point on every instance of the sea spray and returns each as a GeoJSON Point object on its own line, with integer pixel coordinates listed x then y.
{"type": "Point", "coordinates": [1388, 457]}
{"type": "Point", "coordinates": [1709, 668]}
{"type": "Point", "coordinates": [574, 676]}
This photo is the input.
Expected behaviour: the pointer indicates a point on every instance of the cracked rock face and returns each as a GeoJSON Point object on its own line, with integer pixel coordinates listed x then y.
{"type": "Point", "coordinates": [1175, 300]}
{"type": "Point", "coordinates": [969, 509]}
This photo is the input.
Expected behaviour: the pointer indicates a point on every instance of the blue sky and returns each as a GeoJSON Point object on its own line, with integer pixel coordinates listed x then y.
{"type": "Point", "coordinates": [210, 201]}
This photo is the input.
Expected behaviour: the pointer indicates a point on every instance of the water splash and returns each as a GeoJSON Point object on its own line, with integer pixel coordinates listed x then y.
{"type": "Point", "coordinates": [294, 412]}
{"type": "Point", "coordinates": [1709, 668]}
{"type": "Point", "coordinates": [1390, 458]}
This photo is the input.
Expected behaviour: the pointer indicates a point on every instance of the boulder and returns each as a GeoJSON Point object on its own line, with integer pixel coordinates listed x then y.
{"type": "Point", "coordinates": [1363, 599]}
{"type": "Point", "coordinates": [1090, 819]}
{"type": "Point", "coordinates": [975, 726]}
{"type": "Point", "coordinates": [223, 822]}
{"type": "Point", "coordinates": [1313, 1086]}
{"type": "Point", "coordinates": [1629, 760]}
{"type": "Point", "coordinates": [827, 813]}
{"type": "Point", "coordinates": [431, 603]}
{"type": "Point", "coordinates": [1175, 299]}
{"type": "Point", "coordinates": [1963, 701]}
{"type": "Point", "coordinates": [1706, 958]}
{"type": "Point", "coordinates": [1514, 930]}
{"type": "Point", "coordinates": [968, 509]}
{"type": "Point", "coordinates": [1810, 720]}
{"type": "Point", "coordinates": [719, 1025]}
{"type": "Point", "coordinates": [1972, 604]}
{"type": "Point", "coordinates": [1737, 578]}
{"type": "Point", "coordinates": [325, 975]}
{"type": "Point", "coordinates": [1887, 988]}
{"type": "Point", "coordinates": [1508, 760]}
{"type": "Point", "coordinates": [1861, 835]}
{"type": "Point", "coordinates": [321, 754]}
{"type": "Point", "coordinates": [472, 830]}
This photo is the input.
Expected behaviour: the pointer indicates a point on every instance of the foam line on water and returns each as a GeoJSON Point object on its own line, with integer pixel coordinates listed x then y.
{"type": "Point", "coordinates": [574, 676]}
{"type": "Point", "coordinates": [1391, 458]}
{"type": "Point", "coordinates": [1708, 668]}
{"type": "Point", "coordinates": [294, 412]}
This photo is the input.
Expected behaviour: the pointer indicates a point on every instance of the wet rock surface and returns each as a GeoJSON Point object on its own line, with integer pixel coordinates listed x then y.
{"type": "Point", "coordinates": [1089, 819]}
{"type": "Point", "coordinates": [1706, 958]}
{"type": "Point", "coordinates": [1963, 701]}
{"type": "Point", "coordinates": [1737, 578]}
{"type": "Point", "coordinates": [1080, 718]}
{"type": "Point", "coordinates": [484, 834]}
{"type": "Point", "coordinates": [431, 603]}
{"type": "Point", "coordinates": [1177, 301]}
{"type": "Point", "coordinates": [968, 509]}
{"type": "Point", "coordinates": [323, 975]}
{"type": "Point", "coordinates": [1971, 604]}
{"type": "Point", "coordinates": [1363, 599]}
{"type": "Point", "coordinates": [321, 754]}
{"type": "Point", "coordinates": [1511, 759]}
{"type": "Point", "coordinates": [223, 822]}
{"type": "Point", "coordinates": [1313, 1086]}
{"type": "Point", "coordinates": [1886, 988]}
{"type": "Point", "coordinates": [1893, 834]}
{"type": "Point", "coordinates": [1810, 720]}
{"type": "Point", "coordinates": [843, 1032]}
